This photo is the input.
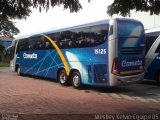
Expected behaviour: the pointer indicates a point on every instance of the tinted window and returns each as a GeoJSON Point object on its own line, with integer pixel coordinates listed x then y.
{"type": "Point", "coordinates": [81, 37]}
{"type": "Point", "coordinates": [76, 38]}
{"type": "Point", "coordinates": [131, 37]}
{"type": "Point", "coordinates": [22, 45]}
{"type": "Point", "coordinates": [39, 43]}
{"type": "Point", "coordinates": [150, 38]}
{"type": "Point", "coordinates": [129, 28]}
{"type": "Point", "coordinates": [91, 36]}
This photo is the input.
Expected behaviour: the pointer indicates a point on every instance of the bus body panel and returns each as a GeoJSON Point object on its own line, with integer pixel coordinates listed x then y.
{"type": "Point", "coordinates": [125, 65]}
{"type": "Point", "coordinates": [95, 63]}
{"type": "Point", "coordinates": [46, 63]}
{"type": "Point", "coordinates": [130, 47]}
{"type": "Point", "coordinates": [112, 50]}
{"type": "Point", "coordinates": [152, 60]}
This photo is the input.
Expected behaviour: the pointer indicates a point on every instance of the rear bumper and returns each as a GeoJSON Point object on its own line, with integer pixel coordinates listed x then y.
{"type": "Point", "coordinates": [123, 80]}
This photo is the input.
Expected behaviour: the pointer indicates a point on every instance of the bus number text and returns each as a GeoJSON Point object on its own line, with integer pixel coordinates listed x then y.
{"type": "Point", "coordinates": [100, 51]}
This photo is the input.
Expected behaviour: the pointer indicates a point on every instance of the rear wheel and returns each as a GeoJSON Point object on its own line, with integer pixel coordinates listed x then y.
{"type": "Point", "coordinates": [76, 80]}
{"type": "Point", "coordinates": [62, 77]}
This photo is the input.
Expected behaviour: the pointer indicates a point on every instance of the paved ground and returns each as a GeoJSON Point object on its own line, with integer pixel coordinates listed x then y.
{"type": "Point", "coordinates": [31, 96]}
{"type": "Point", "coordinates": [147, 91]}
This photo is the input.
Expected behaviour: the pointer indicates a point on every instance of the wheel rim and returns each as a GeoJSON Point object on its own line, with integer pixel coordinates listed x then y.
{"type": "Point", "coordinates": [18, 71]}
{"type": "Point", "coordinates": [76, 80]}
{"type": "Point", "coordinates": [62, 78]}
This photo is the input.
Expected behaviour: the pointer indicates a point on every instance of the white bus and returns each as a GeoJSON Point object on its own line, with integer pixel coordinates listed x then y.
{"type": "Point", "coordinates": [152, 64]}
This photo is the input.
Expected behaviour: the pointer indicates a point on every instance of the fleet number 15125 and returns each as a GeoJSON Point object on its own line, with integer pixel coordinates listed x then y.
{"type": "Point", "coordinates": [100, 51]}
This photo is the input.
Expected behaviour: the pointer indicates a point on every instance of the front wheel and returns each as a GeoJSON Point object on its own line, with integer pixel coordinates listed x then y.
{"type": "Point", "coordinates": [76, 80]}
{"type": "Point", "coordinates": [62, 77]}
{"type": "Point", "coordinates": [19, 71]}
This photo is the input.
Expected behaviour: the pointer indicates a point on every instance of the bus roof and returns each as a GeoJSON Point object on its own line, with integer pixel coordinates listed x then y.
{"type": "Point", "coordinates": [155, 29]}
{"type": "Point", "coordinates": [74, 27]}
{"type": "Point", "coordinates": [106, 21]}
{"type": "Point", "coordinates": [63, 29]}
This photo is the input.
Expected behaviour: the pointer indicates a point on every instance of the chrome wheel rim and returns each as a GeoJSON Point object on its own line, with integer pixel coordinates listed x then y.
{"type": "Point", "coordinates": [76, 80]}
{"type": "Point", "coordinates": [18, 71]}
{"type": "Point", "coordinates": [63, 78]}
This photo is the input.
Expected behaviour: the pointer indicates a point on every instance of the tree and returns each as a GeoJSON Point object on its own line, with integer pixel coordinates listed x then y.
{"type": "Point", "coordinates": [2, 49]}
{"type": "Point", "coordinates": [7, 28]}
{"type": "Point", "coordinates": [123, 7]}
{"type": "Point", "coordinates": [21, 9]}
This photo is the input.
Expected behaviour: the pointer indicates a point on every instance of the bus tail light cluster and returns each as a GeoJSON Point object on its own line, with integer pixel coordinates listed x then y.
{"type": "Point", "coordinates": [115, 67]}
{"type": "Point", "coordinates": [103, 78]}
{"type": "Point", "coordinates": [141, 68]}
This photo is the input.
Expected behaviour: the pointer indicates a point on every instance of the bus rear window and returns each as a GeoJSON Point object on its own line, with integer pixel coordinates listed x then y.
{"type": "Point", "coordinates": [129, 28]}
{"type": "Point", "coordinates": [131, 37]}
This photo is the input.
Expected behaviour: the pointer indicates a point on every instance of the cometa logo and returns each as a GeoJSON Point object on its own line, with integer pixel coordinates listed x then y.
{"type": "Point", "coordinates": [29, 56]}
{"type": "Point", "coordinates": [131, 63]}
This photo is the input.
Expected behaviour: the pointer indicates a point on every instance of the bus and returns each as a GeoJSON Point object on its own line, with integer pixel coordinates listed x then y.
{"type": "Point", "coordinates": [152, 64]}
{"type": "Point", "coordinates": [102, 53]}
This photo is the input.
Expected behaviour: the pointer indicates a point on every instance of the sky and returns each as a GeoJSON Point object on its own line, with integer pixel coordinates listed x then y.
{"type": "Point", "coordinates": [57, 17]}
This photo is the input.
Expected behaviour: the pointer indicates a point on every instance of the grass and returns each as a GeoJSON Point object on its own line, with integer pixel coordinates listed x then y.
{"type": "Point", "coordinates": [4, 64]}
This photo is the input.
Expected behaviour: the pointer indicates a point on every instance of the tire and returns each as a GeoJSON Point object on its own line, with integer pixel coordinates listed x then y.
{"type": "Point", "coordinates": [76, 80]}
{"type": "Point", "coordinates": [63, 78]}
{"type": "Point", "coordinates": [19, 71]}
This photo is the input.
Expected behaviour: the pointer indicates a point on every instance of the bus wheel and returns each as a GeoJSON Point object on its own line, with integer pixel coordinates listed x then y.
{"type": "Point", "coordinates": [62, 77]}
{"type": "Point", "coordinates": [76, 80]}
{"type": "Point", "coordinates": [19, 71]}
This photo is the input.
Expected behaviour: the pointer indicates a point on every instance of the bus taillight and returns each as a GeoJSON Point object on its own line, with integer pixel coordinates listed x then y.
{"type": "Point", "coordinates": [141, 68]}
{"type": "Point", "coordinates": [115, 67]}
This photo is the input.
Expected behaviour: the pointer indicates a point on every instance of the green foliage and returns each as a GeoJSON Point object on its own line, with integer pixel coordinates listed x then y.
{"type": "Point", "coordinates": [13, 9]}
{"type": "Point", "coordinates": [2, 64]}
{"type": "Point", "coordinates": [73, 5]}
{"type": "Point", "coordinates": [7, 28]}
{"type": "Point", "coordinates": [123, 7]}
{"type": "Point", "coordinates": [21, 9]}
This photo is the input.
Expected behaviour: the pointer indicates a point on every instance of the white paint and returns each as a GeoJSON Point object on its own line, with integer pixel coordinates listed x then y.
{"type": "Point", "coordinates": [131, 63]}
{"type": "Point", "coordinates": [29, 56]}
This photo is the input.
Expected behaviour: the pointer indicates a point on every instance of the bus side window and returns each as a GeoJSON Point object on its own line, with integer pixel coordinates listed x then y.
{"type": "Point", "coordinates": [33, 43]}
{"type": "Point", "coordinates": [48, 45]}
{"type": "Point", "coordinates": [158, 49]}
{"type": "Point", "coordinates": [66, 40]}
{"type": "Point", "coordinates": [42, 45]}
{"type": "Point", "coordinates": [37, 43]}
{"type": "Point", "coordinates": [55, 37]}
{"type": "Point", "coordinates": [150, 38]}
{"type": "Point", "coordinates": [99, 34]}
{"type": "Point", "coordinates": [22, 45]}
